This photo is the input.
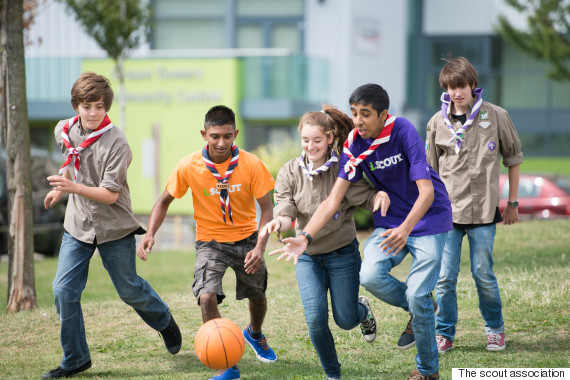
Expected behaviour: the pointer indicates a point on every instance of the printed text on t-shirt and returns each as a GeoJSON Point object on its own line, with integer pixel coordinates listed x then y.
{"type": "Point", "coordinates": [231, 189]}
{"type": "Point", "coordinates": [386, 162]}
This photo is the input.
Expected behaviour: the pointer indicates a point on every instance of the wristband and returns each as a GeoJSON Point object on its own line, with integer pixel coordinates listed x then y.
{"type": "Point", "coordinates": [306, 234]}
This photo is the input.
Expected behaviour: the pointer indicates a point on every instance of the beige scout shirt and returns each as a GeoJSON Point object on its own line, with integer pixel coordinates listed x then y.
{"type": "Point", "coordinates": [472, 176]}
{"type": "Point", "coordinates": [103, 164]}
{"type": "Point", "coordinates": [297, 197]}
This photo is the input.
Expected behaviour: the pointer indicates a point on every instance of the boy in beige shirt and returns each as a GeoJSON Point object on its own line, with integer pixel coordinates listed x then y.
{"type": "Point", "coordinates": [464, 144]}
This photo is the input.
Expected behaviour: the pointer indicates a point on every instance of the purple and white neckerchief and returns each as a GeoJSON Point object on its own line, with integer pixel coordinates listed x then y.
{"type": "Point", "coordinates": [326, 166]}
{"type": "Point", "coordinates": [458, 136]}
{"type": "Point", "coordinates": [222, 184]}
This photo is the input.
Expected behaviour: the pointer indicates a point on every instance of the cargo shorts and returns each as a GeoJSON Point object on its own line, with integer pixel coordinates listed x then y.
{"type": "Point", "coordinates": [212, 261]}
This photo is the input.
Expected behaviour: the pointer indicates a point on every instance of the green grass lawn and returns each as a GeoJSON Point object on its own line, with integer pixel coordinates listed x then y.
{"type": "Point", "coordinates": [554, 165]}
{"type": "Point", "coordinates": [531, 263]}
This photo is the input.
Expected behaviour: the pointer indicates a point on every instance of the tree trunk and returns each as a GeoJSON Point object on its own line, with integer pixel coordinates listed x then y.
{"type": "Point", "coordinates": [16, 137]}
{"type": "Point", "coordinates": [119, 67]}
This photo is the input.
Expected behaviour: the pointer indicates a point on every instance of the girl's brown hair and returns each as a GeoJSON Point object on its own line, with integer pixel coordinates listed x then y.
{"type": "Point", "coordinates": [332, 121]}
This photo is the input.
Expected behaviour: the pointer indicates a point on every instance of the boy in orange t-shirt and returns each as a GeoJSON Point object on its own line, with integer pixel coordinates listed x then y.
{"type": "Point", "coordinates": [225, 182]}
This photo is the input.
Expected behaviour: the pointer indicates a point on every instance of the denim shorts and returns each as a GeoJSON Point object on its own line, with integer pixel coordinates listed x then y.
{"type": "Point", "coordinates": [212, 260]}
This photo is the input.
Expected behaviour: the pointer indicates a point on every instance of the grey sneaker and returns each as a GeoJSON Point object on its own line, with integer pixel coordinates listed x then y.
{"type": "Point", "coordinates": [368, 326]}
{"type": "Point", "coordinates": [407, 339]}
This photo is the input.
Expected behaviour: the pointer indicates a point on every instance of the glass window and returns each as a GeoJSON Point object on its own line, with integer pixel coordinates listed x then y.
{"type": "Point", "coordinates": [515, 59]}
{"type": "Point", "coordinates": [188, 8]}
{"type": "Point", "coordinates": [433, 92]}
{"type": "Point", "coordinates": [189, 34]}
{"type": "Point", "coordinates": [250, 36]}
{"type": "Point", "coordinates": [471, 48]}
{"type": "Point", "coordinates": [560, 94]}
{"type": "Point", "coordinates": [286, 36]}
{"type": "Point", "coordinates": [521, 89]}
{"type": "Point", "coordinates": [270, 8]}
{"type": "Point", "coordinates": [533, 142]}
{"type": "Point", "coordinates": [563, 183]}
{"type": "Point", "coordinates": [270, 135]}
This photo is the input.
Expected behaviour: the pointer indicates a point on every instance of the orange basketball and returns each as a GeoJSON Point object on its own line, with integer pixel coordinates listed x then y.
{"type": "Point", "coordinates": [219, 343]}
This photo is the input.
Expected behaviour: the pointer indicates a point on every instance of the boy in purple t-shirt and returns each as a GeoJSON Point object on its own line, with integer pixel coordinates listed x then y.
{"type": "Point", "coordinates": [390, 152]}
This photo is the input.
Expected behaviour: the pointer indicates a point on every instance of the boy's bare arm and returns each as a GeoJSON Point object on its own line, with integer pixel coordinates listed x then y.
{"type": "Point", "coordinates": [254, 259]}
{"type": "Point", "coordinates": [155, 220]}
{"type": "Point", "coordinates": [511, 214]}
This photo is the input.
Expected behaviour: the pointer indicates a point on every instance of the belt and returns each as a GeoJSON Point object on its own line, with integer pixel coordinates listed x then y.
{"type": "Point", "coordinates": [242, 241]}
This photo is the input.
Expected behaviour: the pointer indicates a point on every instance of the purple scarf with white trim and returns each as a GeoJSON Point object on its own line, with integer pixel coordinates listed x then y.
{"type": "Point", "coordinates": [326, 166]}
{"type": "Point", "coordinates": [459, 135]}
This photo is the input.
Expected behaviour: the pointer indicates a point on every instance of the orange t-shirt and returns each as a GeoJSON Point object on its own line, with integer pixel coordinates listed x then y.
{"type": "Point", "coordinates": [250, 180]}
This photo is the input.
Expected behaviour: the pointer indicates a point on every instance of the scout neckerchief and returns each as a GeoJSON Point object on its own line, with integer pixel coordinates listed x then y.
{"type": "Point", "coordinates": [458, 136]}
{"type": "Point", "coordinates": [310, 173]}
{"type": "Point", "coordinates": [73, 153]}
{"type": "Point", "coordinates": [382, 138]}
{"type": "Point", "coordinates": [222, 184]}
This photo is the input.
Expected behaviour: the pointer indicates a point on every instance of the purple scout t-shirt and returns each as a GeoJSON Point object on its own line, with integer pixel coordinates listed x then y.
{"type": "Point", "coordinates": [394, 167]}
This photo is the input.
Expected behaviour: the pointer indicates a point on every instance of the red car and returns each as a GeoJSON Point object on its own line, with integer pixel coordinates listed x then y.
{"type": "Point", "coordinates": [540, 196]}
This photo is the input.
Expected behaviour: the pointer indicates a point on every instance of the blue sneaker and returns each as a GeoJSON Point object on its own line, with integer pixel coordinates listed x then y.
{"type": "Point", "coordinates": [227, 374]}
{"type": "Point", "coordinates": [260, 346]}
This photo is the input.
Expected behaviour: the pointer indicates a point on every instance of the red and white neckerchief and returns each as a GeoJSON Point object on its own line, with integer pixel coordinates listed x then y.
{"type": "Point", "coordinates": [382, 138]}
{"type": "Point", "coordinates": [73, 153]}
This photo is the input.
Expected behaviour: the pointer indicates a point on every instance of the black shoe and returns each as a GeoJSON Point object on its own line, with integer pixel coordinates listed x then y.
{"type": "Point", "coordinates": [60, 372]}
{"type": "Point", "coordinates": [171, 336]}
{"type": "Point", "coordinates": [407, 339]}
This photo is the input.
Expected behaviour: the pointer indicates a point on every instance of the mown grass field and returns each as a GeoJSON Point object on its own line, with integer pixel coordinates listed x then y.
{"type": "Point", "coordinates": [554, 165]}
{"type": "Point", "coordinates": [531, 263]}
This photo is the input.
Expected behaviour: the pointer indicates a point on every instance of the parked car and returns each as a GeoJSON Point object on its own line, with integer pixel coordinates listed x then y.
{"type": "Point", "coordinates": [48, 224]}
{"type": "Point", "coordinates": [540, 196]}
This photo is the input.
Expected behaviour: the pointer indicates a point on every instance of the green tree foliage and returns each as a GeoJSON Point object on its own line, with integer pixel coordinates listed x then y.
{"type": "Point", "coordinates": [548, 34]}
{"type": "Point", "coordinates": [118, 27]}
{"type": "Point", "coordinates": [275, 156]}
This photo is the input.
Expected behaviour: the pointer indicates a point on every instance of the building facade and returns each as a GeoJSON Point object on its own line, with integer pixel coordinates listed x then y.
{"type": "Point", "coordinates": [273, 60]}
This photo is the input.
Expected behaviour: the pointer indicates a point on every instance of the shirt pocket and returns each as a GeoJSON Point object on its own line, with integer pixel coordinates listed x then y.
{"type": "Point", "coordinates": [487, 146]}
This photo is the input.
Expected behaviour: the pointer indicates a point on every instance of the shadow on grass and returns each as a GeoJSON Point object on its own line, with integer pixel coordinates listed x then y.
{"type": "Point", "coordinates": [540, 343]}
{"type": "Point", "coordinates": [545, 344]}
{"type": "Point", "coordinates": [187, 366]}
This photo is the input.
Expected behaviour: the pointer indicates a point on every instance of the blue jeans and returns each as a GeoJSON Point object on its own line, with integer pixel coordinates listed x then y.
{"type": "Point", "coordinates": [414, 294]}
{"type": "Point", "coordinates": [72, 269]}
{"type": "Point", "coordinates": [336, 272]}
{"type": "Point", "coordinates": [481, 241]}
